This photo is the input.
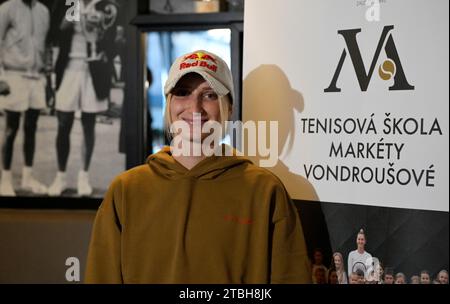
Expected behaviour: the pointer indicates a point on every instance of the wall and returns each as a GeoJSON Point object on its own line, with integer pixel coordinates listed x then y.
{"type": "Point", "coordinates": [34, 244]}
{"type": "Point", "coordinates": [179, 6]}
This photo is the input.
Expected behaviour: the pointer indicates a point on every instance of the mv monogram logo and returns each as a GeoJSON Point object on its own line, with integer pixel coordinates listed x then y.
{"type": "Point", "coordinates": [391, 67]}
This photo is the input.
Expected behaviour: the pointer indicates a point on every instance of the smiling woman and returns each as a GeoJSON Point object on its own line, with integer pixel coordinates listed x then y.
{"type": "Point", "coordinates": [359, 259]}
{"type": "Point", "coordinates": [162, 48]}
{"type": "Point", "coordinates": [197, 219]}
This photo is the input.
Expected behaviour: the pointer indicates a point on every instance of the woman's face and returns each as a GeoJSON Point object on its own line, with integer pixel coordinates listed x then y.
{"type": "Point", "coordinates": [320, 276]}
{"type": "Point", "coordinates": [337, 261]}
{"type": "Point", "coordinates": [388, 279]}
{"type": "Point", "coordinates": [400, 280]}
{"type": "Point", "coordinates": [318, 257]}
{"type": "Point", "coordinates": [443, 277]}
{"type": "Point", "coordinates": [361, 240]}
{"type": "Point", "coordinates": [333, 278]}
{"type": "Point", "coordinates": [415, 280]}
{"type": "Point", "coordinates": [354, 279]}
{"type": "Point", "coordinates": [424, 278]}
{"type": "Point", "coordinates": [192, 94]}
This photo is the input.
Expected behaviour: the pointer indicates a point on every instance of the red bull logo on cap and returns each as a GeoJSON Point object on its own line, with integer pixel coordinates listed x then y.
{"type": "Point", "coordinates": [200, 59]}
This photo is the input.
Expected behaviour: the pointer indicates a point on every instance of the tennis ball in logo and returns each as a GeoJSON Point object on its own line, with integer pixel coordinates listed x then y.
{"type": "Point", "coordinates": [387, 69]}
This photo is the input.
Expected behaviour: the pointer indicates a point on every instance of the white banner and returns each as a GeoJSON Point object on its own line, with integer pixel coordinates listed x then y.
{"type": "Point", "coordinates": [360, 91]}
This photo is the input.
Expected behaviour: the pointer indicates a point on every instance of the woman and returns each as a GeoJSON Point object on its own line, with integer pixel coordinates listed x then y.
{"type": "Point", "coordinates": [24, 26]}
{"type": "Point", "coordinates": [184, 218]}
{"type": "Point", "coordinates": [338, 262]}
{"type": "Point", "coordinates": [316, 264]}
{"type": "Point", "coordinates": [442, 276]}
{"type": "Point", "coordinates": [333, 277]}
{"type": "Point", "coordinates": [400, 278]}
{"type": "Point", "coordinates": [84, 70]}
{"type": "Point", "coordinates": [425, 277]}
{"type": "Point", "coordinates": [415, 279]}
{"type": "Point", "coordinates": [359, 258]}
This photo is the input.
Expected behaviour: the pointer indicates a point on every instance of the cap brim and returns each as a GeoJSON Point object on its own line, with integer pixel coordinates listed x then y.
{"type": "Point", "coordinates": [216, 85]}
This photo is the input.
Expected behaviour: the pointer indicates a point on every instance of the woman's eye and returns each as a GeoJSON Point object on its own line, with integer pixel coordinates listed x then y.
{"type": "Point", "coordinates": [210, 96]}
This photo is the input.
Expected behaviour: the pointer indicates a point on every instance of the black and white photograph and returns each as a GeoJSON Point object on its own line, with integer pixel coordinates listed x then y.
{"type": "Point", "coordinates": [61, 95]}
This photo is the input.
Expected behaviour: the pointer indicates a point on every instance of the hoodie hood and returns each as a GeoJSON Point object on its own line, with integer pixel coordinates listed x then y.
{"type": "Point", "coordinates": [164, 164]}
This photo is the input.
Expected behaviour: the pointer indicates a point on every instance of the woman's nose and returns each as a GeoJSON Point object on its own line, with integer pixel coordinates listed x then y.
{"type": "Point", "coordinates": [195, 103]}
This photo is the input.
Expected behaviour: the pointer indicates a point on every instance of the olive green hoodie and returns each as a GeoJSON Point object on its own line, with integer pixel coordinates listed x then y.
{"type": "Point", "coordinates": [224, 221]}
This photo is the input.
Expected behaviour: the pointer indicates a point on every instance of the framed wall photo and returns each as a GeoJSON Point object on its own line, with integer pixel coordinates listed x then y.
{"type": "Point", "coordinates": [62, 89]}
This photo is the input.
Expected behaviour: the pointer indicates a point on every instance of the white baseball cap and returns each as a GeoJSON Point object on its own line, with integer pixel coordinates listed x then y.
{"type": "Point", "coordinates": [210, 66]}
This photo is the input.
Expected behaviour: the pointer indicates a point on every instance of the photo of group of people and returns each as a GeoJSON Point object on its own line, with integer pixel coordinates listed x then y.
{"type": "Point", "coordinates": [61, 94]}
{"type": "Point", "coordinates": [360, 267]}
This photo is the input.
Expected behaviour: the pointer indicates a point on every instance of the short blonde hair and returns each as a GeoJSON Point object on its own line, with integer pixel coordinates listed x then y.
{"type": "Point", "coordinates": [225, 107]}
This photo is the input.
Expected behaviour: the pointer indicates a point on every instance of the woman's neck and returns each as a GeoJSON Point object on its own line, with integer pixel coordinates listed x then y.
{"type": "Point", "coordinates": [195, 154]}
{"type": "Point", "coordinates": [189, 162]}
{"type": "Point", "coordinates": [361, 250]}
